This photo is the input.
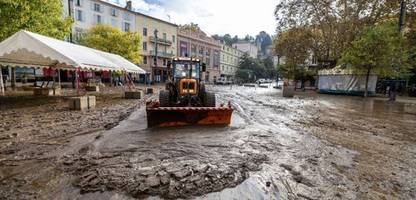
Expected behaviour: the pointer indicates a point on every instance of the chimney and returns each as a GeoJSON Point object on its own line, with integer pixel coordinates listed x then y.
{"type": "Point", "coordinates": [128, 5]}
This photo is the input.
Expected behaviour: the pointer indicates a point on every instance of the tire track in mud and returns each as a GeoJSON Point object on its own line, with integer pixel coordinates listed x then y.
{"type": "Point", "coordinates": [171, 163]}
{"type": "Point", "coordinates": [263, 145]}
{"type": "Point", "coordinates": [305, 167]}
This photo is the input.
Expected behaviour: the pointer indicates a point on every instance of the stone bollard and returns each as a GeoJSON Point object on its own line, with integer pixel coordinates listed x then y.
{"type": "Point", "coordinates": [133, 94]}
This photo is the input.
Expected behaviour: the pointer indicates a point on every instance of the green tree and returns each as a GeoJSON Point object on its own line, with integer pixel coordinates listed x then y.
{"type": "Point", "coordinates": [377, 51]}
{"type": "Point", "coordinates": [40, 16]}
{"type": "Point", "coordinates": [250, 68]}
{"type": "Point", "coordinates": [294, 45]}
{"type": "Point", "coordinates": [336, 23]}
{"type": "Point", "coordinates": [112, 40]}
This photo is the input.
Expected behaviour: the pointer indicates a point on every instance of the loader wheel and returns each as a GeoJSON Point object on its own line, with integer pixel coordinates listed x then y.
{"type": "Point", "coordinates": [209, 99]}
{"type": "Point", "coordinates": [164, 98]}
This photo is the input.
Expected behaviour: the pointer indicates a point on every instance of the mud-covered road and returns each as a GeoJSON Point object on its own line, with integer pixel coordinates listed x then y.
{"type": "Point", "coordinates": [309, 147]}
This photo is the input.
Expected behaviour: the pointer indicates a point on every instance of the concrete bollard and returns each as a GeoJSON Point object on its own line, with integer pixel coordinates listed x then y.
{"type": "Point", "coordinates": [43, 91]}
{"type": "Point", "coordinates": [78, 103]}
{"type": "Point", "coordinates": [91, 102]}
{"type": "Point", "coordinates": [133, 94]}
{"type": "Point", "coordinates": [57, 91]}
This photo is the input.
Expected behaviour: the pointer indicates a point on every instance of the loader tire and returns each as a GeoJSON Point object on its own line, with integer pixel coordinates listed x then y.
{"type": "Point", "coordinates": [164, 98]}
{"type": "Point", "coordinates": [209, 99]}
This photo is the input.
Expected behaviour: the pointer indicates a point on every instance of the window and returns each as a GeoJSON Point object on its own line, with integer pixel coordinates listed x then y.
{"type": "Point", "coordinates": [78, 15]}
{"type": "Point", "coordinates": [98, 19]}
{"type": "Point", "coordinates": [144, 46]}
{"type": "Point", "coordinates": [164, 36]}
{"type": "Point", "coordinates": [144, 31]}
{"type": "Point", "coordinates": [126, 27]}
{"type": "Point", "coordinates": [126, 16]}
{"type": "Point", "coordinates": [164, 62]}
{"type": "Point", "coordinates": [97, 7]}
{"type": "Point", "coordinates": [145, 60]}
{"type": "Point", "coordinates": [78, 34]}
{"type": "Point", "coordinates": [113, 12]}
{"type": "Point", "coordinates": [114, 23]}
{"type": "Point", "coordinates": [78, 2]}
{"type": "Point", "coordinates": [173, 39]}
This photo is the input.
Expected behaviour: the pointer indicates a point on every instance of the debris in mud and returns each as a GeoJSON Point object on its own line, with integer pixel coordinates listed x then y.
{"type": "Point", "coordinates": [174, 175]}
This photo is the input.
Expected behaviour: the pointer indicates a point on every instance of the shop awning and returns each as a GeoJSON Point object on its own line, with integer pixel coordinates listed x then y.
{"type": "Point", "coordinates": [25, 48]}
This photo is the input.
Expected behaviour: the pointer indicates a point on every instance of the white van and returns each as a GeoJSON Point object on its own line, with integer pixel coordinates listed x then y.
{"type": "Point", "coordinates": [223, 81]}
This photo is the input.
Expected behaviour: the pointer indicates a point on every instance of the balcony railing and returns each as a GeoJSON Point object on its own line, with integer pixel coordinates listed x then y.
{"type": "Point", "coordinates": [160, 41]}
{"type": "Point", "coordinates": [162, 54]}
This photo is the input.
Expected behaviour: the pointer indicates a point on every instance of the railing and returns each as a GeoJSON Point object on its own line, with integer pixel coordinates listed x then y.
{"type": "Point", "coordinates": [160, 40]}
{"type": "Point", "coordinates": [162, 54]}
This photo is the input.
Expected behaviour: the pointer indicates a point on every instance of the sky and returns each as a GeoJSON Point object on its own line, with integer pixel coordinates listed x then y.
{"type": "Point", "coordinates": [235, 17]}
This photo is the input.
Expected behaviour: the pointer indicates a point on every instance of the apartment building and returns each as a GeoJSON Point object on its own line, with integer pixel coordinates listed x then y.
{"type": "Point", "coordinates": [196, 44]}
{"type": "Point", "coordinates": [159, 45]}
{"type": "Point", "coordinates": [229, 62]}
{"type": "Point", "coordinates": [248, 47]}
{"type": "Point", "coordinates": [155, 33]}
{"type": "Point", "coordinates": [87, 13]}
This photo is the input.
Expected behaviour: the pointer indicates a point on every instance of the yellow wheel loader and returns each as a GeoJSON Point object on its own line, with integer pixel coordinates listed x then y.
{"type": "Point", "coordinates": [185, 100]}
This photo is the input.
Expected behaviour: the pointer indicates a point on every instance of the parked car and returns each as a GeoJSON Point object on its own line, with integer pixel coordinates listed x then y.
{"type": "Point", "coordinates": [261, 81]}
{"type": "Point", "coordinates": [223, 81]}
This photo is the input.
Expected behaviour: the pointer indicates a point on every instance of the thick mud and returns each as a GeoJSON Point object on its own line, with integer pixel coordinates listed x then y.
{"type": "Point", "coordinates": [308, 147]}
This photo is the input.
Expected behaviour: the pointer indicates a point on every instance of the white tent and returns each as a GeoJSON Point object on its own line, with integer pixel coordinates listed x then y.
{"type": "Point", "coordinates": [25, 48]}
{"type": "Point", "coordinates": [120, 61]}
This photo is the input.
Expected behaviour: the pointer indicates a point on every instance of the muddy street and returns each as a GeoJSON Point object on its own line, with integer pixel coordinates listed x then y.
{"type": "Point", "coordinates": [308, 147]}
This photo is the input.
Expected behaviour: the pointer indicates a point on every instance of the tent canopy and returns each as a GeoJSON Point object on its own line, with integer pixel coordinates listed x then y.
{"type": "Point", "coordinates": [31, 49]}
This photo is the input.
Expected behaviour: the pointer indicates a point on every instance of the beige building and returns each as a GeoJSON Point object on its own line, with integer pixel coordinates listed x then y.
{"type": "Point", "coordinates": [88, 13]}
{"type": "Point", "coordinates": [247, 47]}
{"type": "Point", "coordinates": [229, 62]}
{"type": "Point", "coordinates": [159, 39]}
{"type": "Point", "coordinates": [197, 44]}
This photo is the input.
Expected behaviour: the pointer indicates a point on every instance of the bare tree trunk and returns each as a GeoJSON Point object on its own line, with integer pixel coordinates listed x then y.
{"type": "Point", "coordinates": [366, 83]}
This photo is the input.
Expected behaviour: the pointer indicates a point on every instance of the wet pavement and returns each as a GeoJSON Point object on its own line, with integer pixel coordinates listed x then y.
{"type": "Point", "coordinates": [308, 147]}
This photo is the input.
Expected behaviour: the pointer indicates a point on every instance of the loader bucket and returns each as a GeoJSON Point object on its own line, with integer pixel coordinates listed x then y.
{"type": "Point", "coordinates": [182, 116]}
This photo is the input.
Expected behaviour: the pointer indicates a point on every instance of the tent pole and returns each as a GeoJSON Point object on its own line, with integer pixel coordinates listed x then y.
{"type": "Point", "coordinates": [13, 77]}
{"type": "Point", "coordinates": [77, 80]}
{"type": "Point", "coordinates": [59, 77]}
{"type": "Point", "coordinates": [1, 82]}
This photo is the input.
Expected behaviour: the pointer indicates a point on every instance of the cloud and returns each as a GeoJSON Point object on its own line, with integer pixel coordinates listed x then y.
{"type": "Point", "coordinates": [235, 17]}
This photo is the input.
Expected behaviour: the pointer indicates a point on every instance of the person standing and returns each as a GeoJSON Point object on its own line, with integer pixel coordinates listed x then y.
{"type": "Point", "coordinates": [392, 91]}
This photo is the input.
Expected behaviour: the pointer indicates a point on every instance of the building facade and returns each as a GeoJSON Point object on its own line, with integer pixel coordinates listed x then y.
{"type": "Point", "coordinates": [229, 62]}
{"type": "Point", "coordinates": [247, 47]}
{"type": "Point", "coordinates": [196, 44]}
{"type": "Point", "coordinates": [159, 45]}
{"type": "Point", "coordinates": [87, 13]}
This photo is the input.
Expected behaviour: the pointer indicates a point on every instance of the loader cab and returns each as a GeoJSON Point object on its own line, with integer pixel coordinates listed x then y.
{"type": "Point", "coordinates": [186, 78]}
{"type": "Point", "coordinates": [186, 68]}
